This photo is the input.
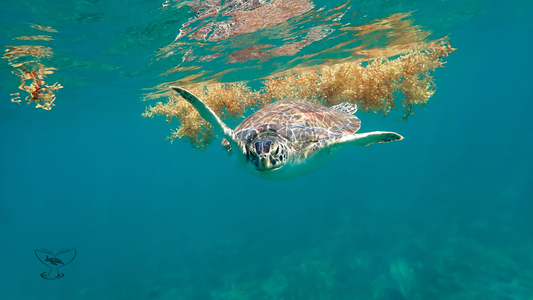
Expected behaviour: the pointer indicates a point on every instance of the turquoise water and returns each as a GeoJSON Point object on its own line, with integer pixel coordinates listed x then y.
{"type": "Point", "coordinates": [444, 214]}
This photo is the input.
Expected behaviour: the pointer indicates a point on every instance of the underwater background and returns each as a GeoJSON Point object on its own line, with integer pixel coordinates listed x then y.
{"type": "Point", "coordinates": [447, 213]}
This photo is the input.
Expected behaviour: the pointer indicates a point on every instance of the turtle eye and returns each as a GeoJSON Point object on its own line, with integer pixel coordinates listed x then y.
{"type": "Point", "coordinates": [252, 153]}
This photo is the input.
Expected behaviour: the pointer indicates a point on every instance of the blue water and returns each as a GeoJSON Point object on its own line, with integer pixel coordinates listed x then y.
{"type": "Point", "coordinates": [450, 205]}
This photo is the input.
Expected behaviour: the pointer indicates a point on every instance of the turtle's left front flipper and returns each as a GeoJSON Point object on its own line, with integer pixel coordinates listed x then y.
{"type": "Point", "coordinates": [209, 115]}
{"type": "Point", "coordinates": [369, 138]}
{"type": "Point", "coordinates": [205, 111]}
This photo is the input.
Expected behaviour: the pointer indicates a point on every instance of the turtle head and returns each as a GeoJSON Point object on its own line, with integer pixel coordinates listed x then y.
{"type": "Point", "coordinates": [267, 153]}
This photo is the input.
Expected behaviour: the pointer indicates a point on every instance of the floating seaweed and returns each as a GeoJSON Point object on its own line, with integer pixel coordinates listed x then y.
{"type": "Point", "coordinates": [372, 86]}
{"type": "Point", "coordinates": [27, 63]}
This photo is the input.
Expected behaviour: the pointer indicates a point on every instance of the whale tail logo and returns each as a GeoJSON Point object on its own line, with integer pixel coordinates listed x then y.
{"type": "Point", "coordinates": [54, 262]}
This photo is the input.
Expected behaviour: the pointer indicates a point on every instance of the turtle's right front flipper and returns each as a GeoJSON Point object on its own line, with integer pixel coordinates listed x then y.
{"type": "Point", "coordinates": [368, 138]}
{"type": "Point", "coordinates": [209, 115]}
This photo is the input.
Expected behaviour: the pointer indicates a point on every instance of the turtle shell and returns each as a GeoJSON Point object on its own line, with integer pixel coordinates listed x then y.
{"type": "Point", "coordinates": [301, 122]}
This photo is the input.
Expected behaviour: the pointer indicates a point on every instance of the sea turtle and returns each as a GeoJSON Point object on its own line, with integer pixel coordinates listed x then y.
{"type": "Point", "coordinates": [290, 137]}
{"type": "Point", "coordinates": [53, 260]}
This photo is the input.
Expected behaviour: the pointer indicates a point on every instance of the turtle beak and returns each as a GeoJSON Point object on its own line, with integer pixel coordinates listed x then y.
{"type": "Point", "coordinates": [264, 162]}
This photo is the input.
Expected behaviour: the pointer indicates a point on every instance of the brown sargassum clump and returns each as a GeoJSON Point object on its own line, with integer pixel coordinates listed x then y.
{"type": "Point", "coordinates": [26, 60]}
{"type": "Point", "coordinates": [372, 85]}
{"type": "Point", "coordinates": [26, 63]}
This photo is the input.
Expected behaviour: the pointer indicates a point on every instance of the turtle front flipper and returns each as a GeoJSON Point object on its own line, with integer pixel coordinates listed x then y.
{"type": "Point", "coordinates": [369, 138]}
{"type": "Point", "coordinates": [209, 115]}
